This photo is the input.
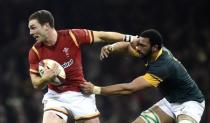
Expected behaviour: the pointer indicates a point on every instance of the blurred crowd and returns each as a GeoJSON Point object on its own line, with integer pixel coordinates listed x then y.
{"type": "Point", "coordinates": [184, 25]}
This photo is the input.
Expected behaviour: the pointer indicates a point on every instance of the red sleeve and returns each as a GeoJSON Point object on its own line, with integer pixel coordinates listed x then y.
{"type": "Point", "coordinates": [33, 59]}
{"type": "Point", "coordinates": [81, 36]}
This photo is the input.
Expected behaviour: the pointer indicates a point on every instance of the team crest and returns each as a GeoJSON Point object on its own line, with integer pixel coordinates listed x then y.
{"type": "Point", "coordinates": [66, 51]}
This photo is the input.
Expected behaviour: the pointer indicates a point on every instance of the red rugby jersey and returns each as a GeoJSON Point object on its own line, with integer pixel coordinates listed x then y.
{"type": "Point", "coordinates": [67, 52]}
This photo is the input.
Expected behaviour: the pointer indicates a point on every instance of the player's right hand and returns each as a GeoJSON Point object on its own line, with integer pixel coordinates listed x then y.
{"type": "Point", "coordinates": [105, 51]}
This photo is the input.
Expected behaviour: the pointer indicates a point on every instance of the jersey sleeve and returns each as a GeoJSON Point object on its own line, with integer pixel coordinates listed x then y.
{"type": "Point", "coordinates": [81, 36]}
{"type": "Point", "coordinates": [33, 59]}
{"type": "Point", "coordinates": [156, 74]}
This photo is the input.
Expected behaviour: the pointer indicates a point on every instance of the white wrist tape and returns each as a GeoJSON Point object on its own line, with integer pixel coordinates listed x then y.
{"type": "Point", "coordinates": [128, 38]}
{"type": "Point", "coordinates": [96, 90]}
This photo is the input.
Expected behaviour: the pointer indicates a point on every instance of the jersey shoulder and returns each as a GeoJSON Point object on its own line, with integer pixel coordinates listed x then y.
{"type": "Point", "coordinates": [163, 66]}
{"type": "Point", "coordinates": [78, 36]}
{"type": "Point", "coordinates": [34, 51]}
{"type": "Point", "coordinates": [37, 45]}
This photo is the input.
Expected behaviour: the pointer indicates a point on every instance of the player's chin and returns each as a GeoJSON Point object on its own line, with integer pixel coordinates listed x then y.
{"type": "Point", "coordinates": [142, 56]}
{"type": "Point", "coordinates": [39, 39]}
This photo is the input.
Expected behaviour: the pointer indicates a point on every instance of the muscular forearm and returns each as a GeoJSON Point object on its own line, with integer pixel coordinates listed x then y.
{"type": "Point", "coordinates": [123, 47]}
{"type": "Point", "coordinates": [107, 36]}
{"type": "Point", "coordinates": [125, 88]}
{"type": "Point", "coordinates": [39, 82]}
{"type": "Point", "coordinates": [112, 36]}
{"type": "Point", "coordinates": [116, 89]}
{"type": "Point", "coordinates": [120, 47]}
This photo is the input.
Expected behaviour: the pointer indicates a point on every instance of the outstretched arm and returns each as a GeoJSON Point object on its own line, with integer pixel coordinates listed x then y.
{"type": "Point", "coordinates": [124, 88]}
{"type": "Point", "coordinates": [100, 36]}
{"type": "Point", "coordinates": [119, 47]}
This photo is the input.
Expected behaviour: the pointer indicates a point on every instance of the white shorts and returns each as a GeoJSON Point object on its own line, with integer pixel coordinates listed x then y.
{"type": "Point", "coordinates": [191, 108]}
{"type": "Point", "coordinates": [80, 105]}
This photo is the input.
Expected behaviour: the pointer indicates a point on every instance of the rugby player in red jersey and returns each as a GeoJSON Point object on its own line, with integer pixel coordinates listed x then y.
{"type": "Point", "coordinates": [64, 103]}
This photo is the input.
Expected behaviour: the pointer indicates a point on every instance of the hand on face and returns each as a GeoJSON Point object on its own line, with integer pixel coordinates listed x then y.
{"type": "Point", "coordinates": [105, 51]}
{"type": "Point", "coordinates": [135, 42]}
{"type": "Point", "coordinates": [87, 88]}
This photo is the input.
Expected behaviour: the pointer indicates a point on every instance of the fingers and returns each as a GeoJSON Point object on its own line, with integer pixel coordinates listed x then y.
{"type": "Point", "coordinates": [87, 88]}
{"type": "Point", "coordinates": [134, 42]}
{"type": "Point", "coordinates": [48, 74]}
{"type": "Point", "coordinates": [105, 51]}
{"type": "Point", "coordinates": [56, 69]}
{"type": "Point", "coordinates": [51, 72]}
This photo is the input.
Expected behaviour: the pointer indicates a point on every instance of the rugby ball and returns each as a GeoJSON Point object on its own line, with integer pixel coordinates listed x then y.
{"type": "Point", "coordinates": [49, 64]}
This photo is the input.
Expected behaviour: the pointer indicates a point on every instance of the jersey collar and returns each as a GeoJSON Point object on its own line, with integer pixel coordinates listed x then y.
{"type": "Point", "coordinates": [155, 57]}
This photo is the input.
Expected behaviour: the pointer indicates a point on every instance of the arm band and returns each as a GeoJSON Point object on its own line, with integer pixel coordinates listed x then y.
{"type": "Point", "coordinates": [128, 38]}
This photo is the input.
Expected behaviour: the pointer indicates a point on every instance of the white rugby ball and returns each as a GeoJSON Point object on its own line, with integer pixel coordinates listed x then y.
{"type": "Point", "coordinates": [49, 63]}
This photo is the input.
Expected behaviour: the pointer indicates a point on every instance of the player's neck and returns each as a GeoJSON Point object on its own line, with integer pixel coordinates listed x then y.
{"type": "Point", "coordinates": [52, 37]}
{"type": "Point", "coordinates": [155, 55]}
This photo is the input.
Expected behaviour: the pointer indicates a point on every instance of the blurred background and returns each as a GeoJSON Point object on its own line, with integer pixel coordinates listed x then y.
{"type": "Point", "coordinates": [184, 24]}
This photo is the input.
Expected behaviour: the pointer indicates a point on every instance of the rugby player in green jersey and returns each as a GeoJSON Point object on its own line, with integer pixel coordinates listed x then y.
{"type": "Point", "coordinates": [183, 101]}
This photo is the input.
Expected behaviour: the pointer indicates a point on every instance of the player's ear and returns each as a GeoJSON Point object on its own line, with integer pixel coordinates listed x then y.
{"type": "Point", "coordinates": [155, 48]}
{"type": "Point", "coordinates": [47, 26]}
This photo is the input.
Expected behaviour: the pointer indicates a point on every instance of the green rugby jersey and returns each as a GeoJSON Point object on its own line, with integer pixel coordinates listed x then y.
{"type": "Point", "coordinates": [172, 79]}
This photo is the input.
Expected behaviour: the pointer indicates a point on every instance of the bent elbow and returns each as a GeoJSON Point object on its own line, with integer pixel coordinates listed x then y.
{"type": "Point", "coordinates": [37, 86]}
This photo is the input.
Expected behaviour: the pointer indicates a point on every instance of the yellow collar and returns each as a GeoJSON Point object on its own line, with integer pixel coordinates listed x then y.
{"type": "Point", "coordinates": [156, 56]}
{"type": "Point", "coordinates": [159, 53]}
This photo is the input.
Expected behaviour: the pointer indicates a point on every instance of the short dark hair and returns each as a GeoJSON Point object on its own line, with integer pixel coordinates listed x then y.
{"type": "Point", "coordinates": [154, 36]}
{"type": "Point", "coordinates": [43, 17]}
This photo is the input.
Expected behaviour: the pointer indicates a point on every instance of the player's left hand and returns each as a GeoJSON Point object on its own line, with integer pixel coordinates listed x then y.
{"type": "Point", "coordinates": [105, 51]}
{"type": "Point", "coordinates": [87, 88]}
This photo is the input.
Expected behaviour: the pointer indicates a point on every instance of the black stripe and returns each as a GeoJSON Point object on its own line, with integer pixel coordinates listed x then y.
{"type": "Point", "coordinates": [57, 111]}
{"type": "Point", "coordinates": [92, 36]}
{"type": "Point", "coordinates": [129, 38]}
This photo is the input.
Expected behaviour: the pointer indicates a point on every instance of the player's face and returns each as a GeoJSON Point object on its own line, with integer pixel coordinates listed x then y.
{"type": "Point", "coordinates": [143, 47]}
{"type": "Point", "coordinates": [38, 31]}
